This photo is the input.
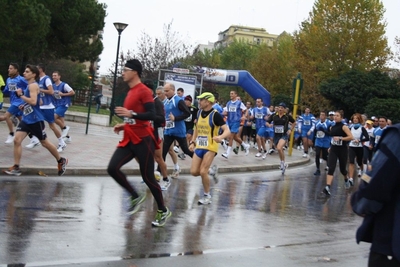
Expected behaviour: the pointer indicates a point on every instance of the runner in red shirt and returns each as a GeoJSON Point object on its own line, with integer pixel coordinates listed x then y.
{"type": "Point", "coordinates": [138, 141]}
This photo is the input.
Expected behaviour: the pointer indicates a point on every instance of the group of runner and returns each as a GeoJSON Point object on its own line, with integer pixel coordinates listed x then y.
{"type": "Point", "coordinates": [34, 99]}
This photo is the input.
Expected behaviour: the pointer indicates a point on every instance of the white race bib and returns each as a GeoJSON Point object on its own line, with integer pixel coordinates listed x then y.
{"type": "Point", "coordinates": [12, 86]}
{"type": "Point", "coordinates": [57, 95]}
{"type": "Point", "coordinates": [28, 109]}
{"type": "Point", "coordinates": [336, 143]}
{"type": "Point", "coordinates": [307, 122]}
{"type": "Point", "coordinates": [279, 129]}
{"type": "Point", "coordinates": [202, 141]}
{"type": "Point", "coordinates": [259, 116]}
{"type": "Point", "coordinates": [320, 134]}
{"type": "Point", "coordinates": [377, 139]}
{"type": "Point", "coordinates": [169, 124]}
{"type": "Point", "coordinates": [129, 120]}
{"type": "Point", "coordinates": [355, 144]}
{"type": "Point", "coordinates": [232, 109]}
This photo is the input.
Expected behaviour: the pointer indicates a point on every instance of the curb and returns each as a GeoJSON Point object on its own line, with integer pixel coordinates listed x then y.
{"type": "Point", "coordinates": [91, 171]}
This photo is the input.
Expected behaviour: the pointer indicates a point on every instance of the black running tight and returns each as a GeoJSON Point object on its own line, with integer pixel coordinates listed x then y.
{"type": "Point", "coordinates": [318, 150]}
{"type": "Point", "coordinates": [341, 153]}
{"type": "Point", "coordinates": [144, 152]}
{"type": "Point", "coordinates": [169, 139]}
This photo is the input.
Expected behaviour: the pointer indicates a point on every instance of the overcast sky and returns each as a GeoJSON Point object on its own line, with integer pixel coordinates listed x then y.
{"type": "Point", "coordinates": [199, 22]}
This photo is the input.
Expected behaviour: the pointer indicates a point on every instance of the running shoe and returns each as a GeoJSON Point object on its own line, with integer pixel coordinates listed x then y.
{"type": "Point", "coordinates": [61, 147]}
{"type": "Point", "coordinates": [236, 150]}
{"type": "Point", "coordinates": [327, 191]}
{"type": "Point", "coordinates": [271, 151]}
{"type": "Point", "coordinates": [225, 155]}
{"type": "Point", "coordinates": [15, 121]}
{"type": "Point", "coordinates": [135, 203]}
{"type": "Point", "coordinates": [205, 200]}
{"type": "Point", "coordinates": [258, 155]}
{"type": "Point", "coordinates": [305, 155]}
{"type": "Point", "coordinates": [317, 173]}
{"type": "Point", "coordinates": [33, 143]}
{"type": "Point", "coordinates": [181, 156]}
{"type": "Point", "coordinates": [176, 149]}
{"type": "Point", "coordinates": [157, 175]}
{"type": "Point", "coordinates": [161, 218]}
{"type": "Point", "coordinates": [65, 131]}
{"type": "Point", "coordinates": [351, 182]}
{"type": "Point", "coordinates": [264, 155]}
{"type": "Point", "coordinates": [326, 168]}
{"type": "Point", "coordinates": [224, 144]}
{"type": "Point", "coordinates": [346, 183]}
{"type": "Point", "coordinates": [247, 149]}
{"type": "Point", "coordinates": [285, 166]}
{"type": "Point", "coordinates": [165, 184]}
{"type": "Point", "coordinates": [214, 173]}
{"type": "Point", "coordinates": [359, 173]}
{"type": "Point", "coordinates": [241, 147]}
{"type": "Point", "coordinates": [62, 166]}
{"type": "Point", "coordinates": [175, 173]}
{"type": "Point", "coordinates": [10, 139]}
{"type": "Point", "coordinates": [68, 139]}
{"type": "Point", "coordinates": [13, 171]}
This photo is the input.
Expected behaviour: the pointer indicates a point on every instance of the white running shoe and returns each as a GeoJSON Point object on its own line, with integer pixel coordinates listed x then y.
{"type": "Point", "coordinates": [33, 143]}
{"type": "Point", "coordinates": [65, 131]}
{"type": "Point", "coordinates": [271, 151]}
{"type": "Point", "coordinates": [175, 173]}
{"type": "Point", "coordinates": [224, 144]}
{"type": "Point", "coordinates": [285, 166]}
{"type": "Point", "coordinates": [10, 139]}
{"type": "Point", "coordinates": [225, 155]}
{"type": "Point", "coordinates": [67, 139]}
{"type": "Point", "coordinates": [326, 168]}
{"type": "Point", "coordinates": [246, 149]}
{"type": "Point", "coordinates": [176, 149]}
{"type": "Point", "coordinates": [264, 155]}
{"type": "Point", "coordinates": [213, 171]}
{"type": "Point", "coordinates": [61, 147]}
{"type": "Point", "coordinates": [359, 173]}
{"type": "Point", "coordinates": [258, 155]}
{"type": "Point", "coordinates": [205, 200]}
{"type": "Point", "coordinates": [305, 155]}
{"type": "Point", "coordinates": [165, 184]}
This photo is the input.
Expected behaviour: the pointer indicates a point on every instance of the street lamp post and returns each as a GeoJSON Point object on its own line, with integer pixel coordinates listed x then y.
{"type": "Point", "coordinates": [120, 27]}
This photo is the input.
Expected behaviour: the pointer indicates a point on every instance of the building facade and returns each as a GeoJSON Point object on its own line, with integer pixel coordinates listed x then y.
{"type": "Point", "coordinates": [251, 35]}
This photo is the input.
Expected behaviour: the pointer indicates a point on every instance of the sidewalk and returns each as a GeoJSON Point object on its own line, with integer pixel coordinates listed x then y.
{"type": "Point", "coordinates": [89, 154]}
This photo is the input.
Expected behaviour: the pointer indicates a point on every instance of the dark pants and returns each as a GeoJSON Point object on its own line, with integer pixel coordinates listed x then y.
{"type": "Point", "coordinates": [169, 139]}
{"type": "Point", "coordinates": [318, 150]}
{"type": "Point", "coordinates": [367, 155]}
{"type": "Point", "coordinates": [380, 260]}
{"type": "Point", "coordinates": [341, 153]}
{"type": "Point", "coordinates": [144, 152]}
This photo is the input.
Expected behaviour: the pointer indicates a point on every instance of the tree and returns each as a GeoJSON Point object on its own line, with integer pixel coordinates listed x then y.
{"type": "Point", "coordinates": [390, 108]}
{"type": "Point", "coordinates": [353, 90]}
{"type": "Point", "coordinates": [39, 30]}
{"type": "Point", "coordinates": [343, 35]}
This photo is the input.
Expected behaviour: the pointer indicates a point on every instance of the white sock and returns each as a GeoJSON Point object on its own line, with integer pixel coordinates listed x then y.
{"type": "Point", "coordinates": [176, 166]}
{"type": "Point", "coordinates": [228, 151]}
{"type": "Point", "coordinates": [61, 141]}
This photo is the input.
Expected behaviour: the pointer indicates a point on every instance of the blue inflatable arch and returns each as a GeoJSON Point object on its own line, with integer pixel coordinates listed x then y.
{"type": "Point", "coordinates": [240, 78]}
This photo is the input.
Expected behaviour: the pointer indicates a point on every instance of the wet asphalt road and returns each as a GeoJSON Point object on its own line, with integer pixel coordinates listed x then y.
{"type": "Point", "coordinates": [256, 219]}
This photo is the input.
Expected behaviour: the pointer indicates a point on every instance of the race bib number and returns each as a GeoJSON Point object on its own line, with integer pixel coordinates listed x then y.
{"type": "Point", "coordinates": [259, 115]}
{"type": "Point", "coordinates": [377, 139]}
{"type": "Point", "coordinates": [202, 141]}
{"type": "Point", "coordinates": [355, 143]}
{"type": "Point", "coordinates": [279, 129]}
{"type": "Point", "coordinates": [57, 95]}
{"type": "Point", "coordinates": [336, 143]}
{"type": "Point", "coordinates": [253, 126]}
{"type": "Point", "coordinates": [28, 109]}
{"type": "Point", "coordinates": [12, 86]}
{"type": "Point", "coordinates": [169, 124]}
{"type": "Point", "coordinates": [320, 134]}
{"type": "Point", "coordinates": [189, 119]}
{"type": "Point", "coordinates": [129, 120]}
{"type": "Point", "coordinates": [42, 94]}
{"type": "Point", "coordinates": [232, 109]}
{"type": "Point", "coordinates": [307, 122]}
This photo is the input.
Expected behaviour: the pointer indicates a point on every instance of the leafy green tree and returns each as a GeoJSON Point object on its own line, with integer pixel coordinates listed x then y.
{"type": "Point", "coordinates": [39, 30]}
{"type": "Point", "coordinates": [388, 107]}
{"type": "Point", "coordinates": [353, 90]}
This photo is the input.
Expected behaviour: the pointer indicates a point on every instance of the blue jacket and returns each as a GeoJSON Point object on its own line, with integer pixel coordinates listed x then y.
{"type": "Point", "coordinates": [378, 197]}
